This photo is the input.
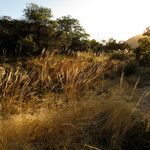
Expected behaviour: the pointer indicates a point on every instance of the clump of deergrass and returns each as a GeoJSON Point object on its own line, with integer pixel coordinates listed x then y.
{"type": "Point", "coordinates": [69, 75]}
{"type": "Point", "coordinates": [49, 74]}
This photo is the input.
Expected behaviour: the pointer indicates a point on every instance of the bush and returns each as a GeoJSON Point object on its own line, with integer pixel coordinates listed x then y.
{"type": "Point", "coordinates": [142, 52]}
{"type": "Point", "coordinates": [26, 46]}
{"type": "Point", "coordinates": [145, 59]}
{"type": "Point", "coordinates": [118, 55]}
{"type": "Point", "coordinates": [130, 68]}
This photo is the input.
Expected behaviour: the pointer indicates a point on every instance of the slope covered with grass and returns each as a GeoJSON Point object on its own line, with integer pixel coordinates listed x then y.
{"type": "Point", "coordinates": [56, 102]}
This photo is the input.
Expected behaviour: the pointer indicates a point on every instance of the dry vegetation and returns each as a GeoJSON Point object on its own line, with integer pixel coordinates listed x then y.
{"type": "Point", "coordinates": [55, 102]}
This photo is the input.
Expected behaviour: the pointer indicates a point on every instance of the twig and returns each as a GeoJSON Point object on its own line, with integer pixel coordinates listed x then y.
{"type": "Point", "coordinates": [92, 147]}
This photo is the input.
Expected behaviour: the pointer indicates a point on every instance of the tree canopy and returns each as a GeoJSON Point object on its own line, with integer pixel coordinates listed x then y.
{"type": "Point", "coordinates": [70, 33]}
{"type": "Point", "coordinates": [142, 52]}
{"type": "Point", "coordinates": [38, 30]}
{"type": "Point", "coordinates": [36, 14]}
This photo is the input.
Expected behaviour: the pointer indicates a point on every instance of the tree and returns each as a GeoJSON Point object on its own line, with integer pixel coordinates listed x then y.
{"type": "Point", "coordinates": [142, 52]}
{"type": "Point", "coordinates": [40, 15]}
{"type": "Point", "coordinates": [70, 33]}
{"type": "Point", "coordinates": [38, 31]}
{"type": "Point", "coordinates": [114, 45]}
{"type": "Point", "coordinates": [147, 31]}
{"type": "Point", "coordinates": [19, 37]}
{"type": "Point", "coordinates": [96, 46]}
{"type": "Point", "coordinates": [6, 18]}
{"type": "Point", "coordinates": [43, 25]}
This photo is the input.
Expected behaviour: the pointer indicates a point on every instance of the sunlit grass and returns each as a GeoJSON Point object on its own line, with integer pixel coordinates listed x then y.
{"type": "Point", "coordinates": [55, 102]}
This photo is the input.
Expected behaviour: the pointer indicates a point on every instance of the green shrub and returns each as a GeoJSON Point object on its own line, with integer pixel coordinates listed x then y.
{"type": "Point", "coordinates": [145, 59]}
{"type": "Point", "coordinates": [26, 46]}
{"type": "Point", "coordinates": [142, 52]}
{"type": "Point", "coordinates": [118, 55]}
{"type": "Point", "coordinates": [130, 68]}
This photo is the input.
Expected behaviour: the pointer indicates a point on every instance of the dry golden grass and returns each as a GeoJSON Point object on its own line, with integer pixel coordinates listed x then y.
{"type": "Point", "coordinates": [67, 103]}
{"type": "Point", "coordinates": [69, 127]}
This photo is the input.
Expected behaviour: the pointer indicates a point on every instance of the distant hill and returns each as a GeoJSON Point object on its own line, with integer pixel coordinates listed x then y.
{"type": "Point", "coordinates": [133, 42]}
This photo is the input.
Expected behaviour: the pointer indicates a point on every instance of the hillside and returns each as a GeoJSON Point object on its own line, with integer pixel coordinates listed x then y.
{"type": "Point", "coordinates": [61, 90]}
{"type": "Point", "coordinates": [133, 41]}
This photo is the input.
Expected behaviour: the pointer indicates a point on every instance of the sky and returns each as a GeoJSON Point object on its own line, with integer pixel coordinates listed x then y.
{"type": "Point", "coordinates": [102, 19]}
